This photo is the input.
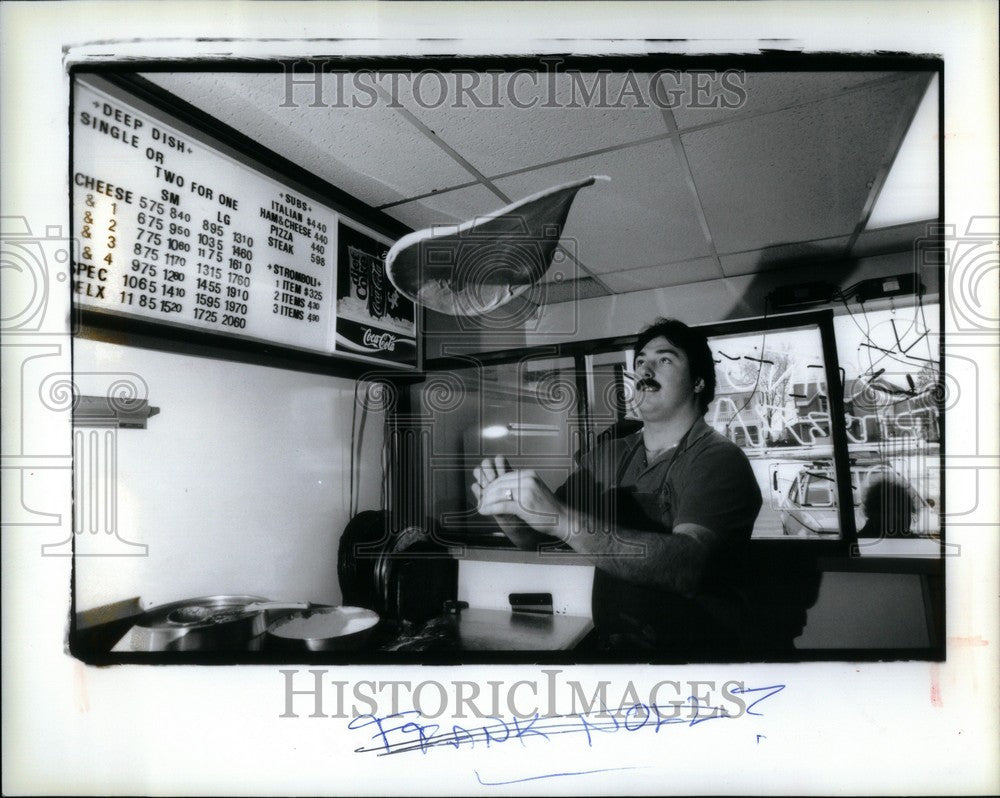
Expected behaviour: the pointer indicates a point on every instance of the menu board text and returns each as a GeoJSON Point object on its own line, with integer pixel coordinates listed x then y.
{"type": "Point", "coordinates": [175, 231]}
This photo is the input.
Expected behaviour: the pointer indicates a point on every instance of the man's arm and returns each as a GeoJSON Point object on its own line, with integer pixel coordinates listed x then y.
{"type": "Point", "coordinates": [674, 562]}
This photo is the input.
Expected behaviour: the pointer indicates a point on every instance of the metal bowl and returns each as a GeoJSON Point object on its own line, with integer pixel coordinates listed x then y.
{"type": "Point", "coordinates": [209, 623]}
{"type": "Point", "coordinates": [328, 629]}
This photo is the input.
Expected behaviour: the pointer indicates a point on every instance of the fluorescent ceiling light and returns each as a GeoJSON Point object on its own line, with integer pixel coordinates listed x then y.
{"type": "Point", "coordinates": [910, 193]}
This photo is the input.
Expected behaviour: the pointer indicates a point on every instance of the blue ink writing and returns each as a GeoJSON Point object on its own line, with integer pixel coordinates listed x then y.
{"type": "Point", "coordinates": [404, 732]}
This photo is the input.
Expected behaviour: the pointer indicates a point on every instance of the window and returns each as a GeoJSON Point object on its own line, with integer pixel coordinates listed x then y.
{"type": "Point", "coordinates": [525, 411]}
{"type": "Point", "coordinates": [819, 492]}
{"type": "Point", "coordinates": [892, 383]}
{"type": "Point", "coordinates": [771, 400]}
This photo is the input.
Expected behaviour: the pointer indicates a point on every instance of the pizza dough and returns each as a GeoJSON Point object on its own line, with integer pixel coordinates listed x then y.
{"type": "Point", "coordinates": [334, 622]}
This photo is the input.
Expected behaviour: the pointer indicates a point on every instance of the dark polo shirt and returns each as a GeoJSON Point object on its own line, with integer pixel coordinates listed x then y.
{"type": "Point", "coordinates": [706, 480]}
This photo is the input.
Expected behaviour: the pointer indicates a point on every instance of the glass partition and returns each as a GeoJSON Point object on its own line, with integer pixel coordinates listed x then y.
{"type": "Point", "coordinates": [525, 411]}
{"type": "Point", "coordinates": [892, 386]}
{"type": "Point", "coordinates": [772, 400]}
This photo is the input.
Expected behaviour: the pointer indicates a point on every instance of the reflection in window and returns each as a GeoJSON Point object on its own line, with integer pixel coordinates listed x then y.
{"type": "Point", "coordinates": [525, 411]}
{"type": "Point", "coordinates": [771, 400]}
{"type": "Point", "coordinates": [609, 394]}
{"type": "Point", "coordinates": [820, 491]}
{"type": "Point", "coordinates": [891, 388]}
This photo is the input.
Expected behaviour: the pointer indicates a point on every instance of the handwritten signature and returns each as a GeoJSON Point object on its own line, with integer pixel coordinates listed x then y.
{"type": "Point", "coordinates": [407, 731]}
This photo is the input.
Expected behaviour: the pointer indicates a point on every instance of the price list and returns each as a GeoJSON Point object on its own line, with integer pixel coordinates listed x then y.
{"type": "Point", "coordinates": [177, 232]}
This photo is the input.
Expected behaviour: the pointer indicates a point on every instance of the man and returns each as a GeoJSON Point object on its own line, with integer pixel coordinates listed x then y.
{"type": "Point", "coordinates": [665, 514]}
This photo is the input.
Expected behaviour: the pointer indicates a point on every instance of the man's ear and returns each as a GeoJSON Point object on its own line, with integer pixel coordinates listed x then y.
{"type": "Point", "coordinates": [699, 385]}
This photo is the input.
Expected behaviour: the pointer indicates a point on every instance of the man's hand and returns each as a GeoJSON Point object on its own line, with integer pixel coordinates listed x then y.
{"type": "Point", "coordinates": [530, 514]}
{"type": "Point", "coordinates": [487, 472]}
{"type": "Point", "coordinates": [499, 490]}
{"type": "Point", "coordinates": [524, 495]}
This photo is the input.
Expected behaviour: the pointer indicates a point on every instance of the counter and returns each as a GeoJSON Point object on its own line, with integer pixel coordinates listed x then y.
{"type": "Point", "coordinates": [492, 630]}
{"type": "Point", "coordinates": [473, 629]}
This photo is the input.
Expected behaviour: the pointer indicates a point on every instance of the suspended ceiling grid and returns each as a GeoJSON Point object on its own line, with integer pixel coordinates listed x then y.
{"type": "Point", "coordinates": [695, 193]}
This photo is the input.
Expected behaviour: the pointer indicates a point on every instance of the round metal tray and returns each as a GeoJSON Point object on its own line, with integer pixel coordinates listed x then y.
{"type": "Point", "coordinates": [208, 623]}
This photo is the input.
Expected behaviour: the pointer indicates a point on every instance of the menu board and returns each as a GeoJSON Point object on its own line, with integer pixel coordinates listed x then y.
{"type": "Point", "coordinates": [174, 230]}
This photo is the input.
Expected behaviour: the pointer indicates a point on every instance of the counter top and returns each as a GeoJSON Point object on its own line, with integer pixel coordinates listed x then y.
{"type": "Point", "coordinates": [473, 629]}
{"type": "Point", "coordinates": [502, 630]}
{"type": "Point", "coordinates": [555, 556]}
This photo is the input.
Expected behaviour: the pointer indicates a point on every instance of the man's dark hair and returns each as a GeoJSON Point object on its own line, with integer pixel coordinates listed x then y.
{"type": "Point", "coordinates": [694, 343]}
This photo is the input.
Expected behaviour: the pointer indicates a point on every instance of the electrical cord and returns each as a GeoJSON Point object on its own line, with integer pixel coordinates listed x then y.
{"type": "Point", "coordinates": [354, 416]}
{"type": "Point", "coordinates": [357, 460]}
{"type": "Point", "coordinates": [383, 491]}
{"type": "Point", "coordinates": [357, 443]}
{"type": "Point", "coordinates": [760, 368]}
{"type": "Point", "coordinates": [889, 354]}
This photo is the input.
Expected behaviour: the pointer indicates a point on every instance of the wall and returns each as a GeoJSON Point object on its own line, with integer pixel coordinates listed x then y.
{"type": "Point", "coordinates": [241, 484]}
{"type": "Point", "coordinates": [489, 584]}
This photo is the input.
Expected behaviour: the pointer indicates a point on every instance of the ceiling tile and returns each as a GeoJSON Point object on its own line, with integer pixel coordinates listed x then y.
{"type": "Point", "coordinates": [372, 153]}
{"type": "Point", "coordinates": [736, 93]}
{"type": "Point", "coordinates": [502, 137]}
{"type": "Point", "coordinates": [900, 238]}
{"type": "Point", "coordinates": [910, 192]}
{"type": "Point", "coordinates": [794, 175]}
{"type": "Point", "coordinates": [691, 271]}
{"type": "Point", "coordinates": [448, 207]}
{"type": "Point", "coordinates": [564, 269]}
{"type": "Point", "coordinates": [572, 290]}
{"type": "Point", "coordinates": [765, 181]}
{"type": "Point", "coordinates": [783, 256]}
{"type": "Point", "coordinates": [643, 216]}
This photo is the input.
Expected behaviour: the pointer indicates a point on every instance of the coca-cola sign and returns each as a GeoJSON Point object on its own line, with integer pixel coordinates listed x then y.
{"type": "Point", "coordinates": [368, 276]}
{"type": "Point", "coordinates": [373, 319]}
{"type": "Point", "coordinates": [381, 341]}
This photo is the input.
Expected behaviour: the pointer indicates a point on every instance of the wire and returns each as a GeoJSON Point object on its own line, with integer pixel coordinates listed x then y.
{"type": "Point", "coordinates": [354, 416]}
{"type": "Point", "coordinates": [890, 354]}
{"type": "Point", "coordinates": [842, 296]}
{"type": "Point", "coordinates": [879, 409]}
{"type": "Point", "coordinates": [923, 318]}
{"type": "Point", "coordinates": [384, 462]}
{"type": "Point", "coordinates": [866, 332]}
{"type": "Point", "coordinates": [760, 368]}
{"type": "Point", "coordinates": [848, 292]}
{"type": "Point", "coordinates": [357, 460]}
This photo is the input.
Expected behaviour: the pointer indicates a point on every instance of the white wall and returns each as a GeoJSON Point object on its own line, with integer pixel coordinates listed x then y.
{"type": "Point", "coordinates": [489, 584]}
{"type": "Point", "coordinates": [239, 485]}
